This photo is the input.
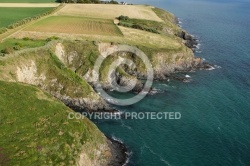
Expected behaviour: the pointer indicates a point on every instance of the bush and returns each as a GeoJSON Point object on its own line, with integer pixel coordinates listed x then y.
{"type": "Point", "coordinates": [3, 30]}
{"type": "Point", "coordinates": [52, 38]}
{"type": "Point", "coordinates": [113, 2]}
{"type": "Point", "coordinates": [123, 18]}
{"type": "Point", "coordinates": [136, 26]}
{"type": "Point", "coordinates": [26, 38]}
{"type": "Point", "coordinates": [7, 50]}
{"type": "Point", "coordinates": [16, 47]}
{"type": "Point", "coordinates": [19, 44]}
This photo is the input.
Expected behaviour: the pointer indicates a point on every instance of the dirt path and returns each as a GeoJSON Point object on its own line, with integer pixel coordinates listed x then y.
{"type": "Point", "coordinates": [29, 4]}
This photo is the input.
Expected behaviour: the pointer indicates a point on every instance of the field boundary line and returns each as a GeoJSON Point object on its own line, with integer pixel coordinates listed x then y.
{"type": "Point", "coordinates": [20, 28]}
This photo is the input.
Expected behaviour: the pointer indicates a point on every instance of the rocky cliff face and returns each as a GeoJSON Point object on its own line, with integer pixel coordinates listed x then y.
{"type": "Point", "coordinates": [66, 70]}
{"type": "Point", "coordinates": [164, 63]}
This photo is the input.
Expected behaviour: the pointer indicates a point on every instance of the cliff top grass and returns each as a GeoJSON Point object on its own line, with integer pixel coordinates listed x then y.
{"type": "Point", "coordinates": [35, 128]}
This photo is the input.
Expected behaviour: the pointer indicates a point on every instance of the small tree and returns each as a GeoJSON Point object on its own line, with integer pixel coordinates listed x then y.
{"type": "Point", "coordinates": [123, 18]}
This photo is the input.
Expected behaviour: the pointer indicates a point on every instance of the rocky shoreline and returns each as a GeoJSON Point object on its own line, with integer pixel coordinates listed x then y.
{"type": "Point", "coordinates": [119, 152]}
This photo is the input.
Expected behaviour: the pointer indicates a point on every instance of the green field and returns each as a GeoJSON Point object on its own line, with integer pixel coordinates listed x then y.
{"type": "Point", "coordinates": [11, 15]}
{"type": "Point", "coordinates": [76, 25]}
{"type": "Point", "coordinates": [27, 1]}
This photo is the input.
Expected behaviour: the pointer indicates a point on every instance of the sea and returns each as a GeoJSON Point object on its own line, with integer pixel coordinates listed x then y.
{"type": "Point", "coordinates": [214, 128]}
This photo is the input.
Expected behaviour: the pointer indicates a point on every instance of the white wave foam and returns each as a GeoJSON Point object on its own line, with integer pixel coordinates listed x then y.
{"type": "Point", "coordinates": [164, 85]}
{"type": "Point", "coordinates": [187, 76]}
{"type": "Point", "coordinates": [161, 158]}
{"type": "Point", "coordinates": [211, 68]}
{"type": "Point", "coordinates": [117, 139]}
{"type": "Point", "coordinates": [217, 67]}
{"type": "Point", "coordinates": [155, 91]}
{"type": "Point", "coordinates": [198, 46]}
{"type": "Point", "coordinates": [129, 154]}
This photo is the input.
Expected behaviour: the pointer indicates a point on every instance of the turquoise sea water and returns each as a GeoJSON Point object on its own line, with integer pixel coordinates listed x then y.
{"type": "Point", "coordinates": [215, 105]}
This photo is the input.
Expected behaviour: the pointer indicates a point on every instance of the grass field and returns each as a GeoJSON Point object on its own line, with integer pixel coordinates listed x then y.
{"type": "Point", "coordinates": [75, 25]}
{"type": "Point", "coordinates": [11, 15]}
{"type": "Point", "coordinates": [109, 11]}
{"type": "Point", "coordinates": [27, 1]}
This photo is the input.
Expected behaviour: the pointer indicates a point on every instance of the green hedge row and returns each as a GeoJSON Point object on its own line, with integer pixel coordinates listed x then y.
{"type": "Point", "coordinates": [137, 26]}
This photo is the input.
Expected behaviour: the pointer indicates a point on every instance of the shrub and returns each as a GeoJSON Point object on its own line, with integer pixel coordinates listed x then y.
{"type": "Point", "coordinates": [52, 38]}
{"type": "Point", "coordinates": [136, 26]}
{"type": "Point", "coordinates": [19, 44]}
{"type": "Point", "coordinates": [123, 18]}
{"type": "Point", "coordinates": [7, 50]}
{"type": "Point", "coordinates": [16, 47]}
{"type": "Point", "coordinates": [3, 30]}
{"type": "Point", "coordinates": [113, 2]}
{"type": "Point", "coordinates": [26, 38]}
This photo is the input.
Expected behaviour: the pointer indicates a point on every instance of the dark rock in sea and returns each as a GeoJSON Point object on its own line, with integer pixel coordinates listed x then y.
{"type": "Point", "coordinates": [200, 64]}
{"type": "Point", "coordinates": [119, 152]}
{"type": "Point", "coordinates": [190, 41]}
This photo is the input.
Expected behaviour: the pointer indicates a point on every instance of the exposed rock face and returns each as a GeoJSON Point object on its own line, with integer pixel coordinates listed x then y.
{"type": "Point", "coordinates": [72, 94]}
{"type": "Point", "coordinates": [190, 41]}
{"type": "Point", "coordinates": [110, 153]}
{"type": "Point", "coordinates": [99, 156]}
{"type": "Point", "coordinates": [87, 104]}
{"type": "Point", "coordinates": [164, 64]}
{"type": "Point", "coordinates": [28, 74]}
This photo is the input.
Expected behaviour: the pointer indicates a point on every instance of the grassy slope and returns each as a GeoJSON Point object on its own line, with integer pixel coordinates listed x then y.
{"type": "Point", "coordinates": [35, 130]}
{"type": "Point", "coordinates": [76, 25]}
{"type": "Point", "coordinates": [87, 55]}
{"type": "Point", "coordinates": [12, 15]}
{"type": "Point", "coordinates": [168, 18]}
